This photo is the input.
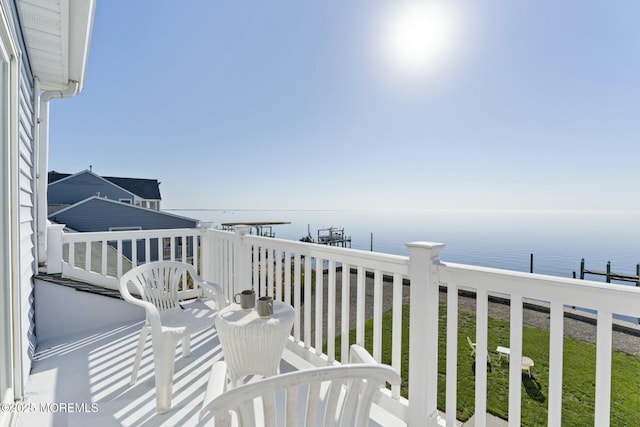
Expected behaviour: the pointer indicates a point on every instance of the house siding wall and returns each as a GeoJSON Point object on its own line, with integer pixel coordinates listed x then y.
{"type": "Point", "coordinates": [83, 186]}
{"type": "Point", "coordinates": [27, 172]}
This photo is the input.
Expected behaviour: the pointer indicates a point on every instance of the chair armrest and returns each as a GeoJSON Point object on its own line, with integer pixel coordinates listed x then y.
{"type": "Point", "coordinates": [153, 315]}
{"type": "Point", "coordinates": [358, 354]}
{"type": "Point", "coordinates": [216, 386]}
{"type": "Point", "coordinates": [213, 291]}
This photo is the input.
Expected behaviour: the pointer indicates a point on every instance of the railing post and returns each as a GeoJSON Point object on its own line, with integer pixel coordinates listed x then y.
{"type": "Point", "coordinates": [54, 248]}
{"type": "Point", "coordinates": [207, 262]}
{"type": "Point", "coordinates": [423, 333]}
{"type": "Point", "coordinates": [241, 260]}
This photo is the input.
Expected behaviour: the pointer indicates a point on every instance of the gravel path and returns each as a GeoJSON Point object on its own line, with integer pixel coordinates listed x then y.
{"type": "Point", "coordinates": [578, 325]}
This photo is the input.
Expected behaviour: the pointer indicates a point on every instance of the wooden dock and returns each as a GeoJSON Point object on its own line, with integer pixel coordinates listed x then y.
{"type": "Point", "coordinates": [609, 275]}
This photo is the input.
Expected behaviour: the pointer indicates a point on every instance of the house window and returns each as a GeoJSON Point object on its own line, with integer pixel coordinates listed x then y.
{"type": "Point", "coordinates": [127, 201]}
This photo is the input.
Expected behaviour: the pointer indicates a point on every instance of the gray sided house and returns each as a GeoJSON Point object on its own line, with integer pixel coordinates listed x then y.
{"type": "Point", "coordinates": [102, 214]}
{"type": "Point", "coordinates": [65, 189]}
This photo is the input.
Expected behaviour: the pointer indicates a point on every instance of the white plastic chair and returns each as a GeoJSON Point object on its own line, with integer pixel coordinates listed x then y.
{"type": "Point", "coordinates": [335, 395]}
{"type": "Point", "coordinates": [157, 284]}
{"type": "Point", "coordinates": [473, 347]}
{"type": "Point", "coordinates": [473, 350]}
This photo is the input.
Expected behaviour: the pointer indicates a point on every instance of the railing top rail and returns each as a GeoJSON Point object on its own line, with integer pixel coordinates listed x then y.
{"type": "Point", "coordinates": [615, 298]}
{"type": "Point", "coordinates": [128, 234]}
{"type": "Point", "coordinates": [348, 255]}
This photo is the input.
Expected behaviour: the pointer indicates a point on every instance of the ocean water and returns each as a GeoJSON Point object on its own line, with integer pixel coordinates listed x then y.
{"type": "Point", "coordinates": [501, 239]}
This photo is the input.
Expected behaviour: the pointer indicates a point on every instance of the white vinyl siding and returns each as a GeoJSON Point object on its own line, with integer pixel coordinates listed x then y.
{"type": "Point", "coordinates": [6, 382]}
{"type": "Point", "coordinates": [26, 167]}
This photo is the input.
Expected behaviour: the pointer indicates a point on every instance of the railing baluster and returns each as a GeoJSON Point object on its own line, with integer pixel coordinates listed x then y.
{"type": "Point", "coordinates": [278, 278]}
{"type": "Point", "coordinates": [195, 248]}
{"type": "Point", "coordinates": [87, 255]}
{"type": "Point", "coordinates": [556, 335]}
{"type": "Point", "coordinates": [603, 368]}
{"type": "Point", "coordinates": [223, 270]}
{"type": "Point", "coordinates": [307, 301]}
{"type": "Point", "coordinates": [452, 354]}
{"type": "Point", "coordinates": [360, 285]}
{"type": "Point", "coordinates": [287, 278]}
{"type": "Point", "coordinates": [270, 273]}
{"type": "Point", "coordinates": [134, 252]}
{"type": "Point", "coordinates": [263, 271]}
{"type": "Point", "coordinates": [396, 339]}
{"type": "Point", "coordinates": [331, 311]}
{"type": "Point", "coordinates": [482, 314]}
{"type": "Point", "coordinates": [160, 248]}
{"type": "Point", "coordinates": [377, 315]}
{"type": "Point", "coordinates": [119, 258]}
{"type": "Point", "coordinates": [296, 296]}
{"type": "Point", "coordinates": [346, 304]}
{"type": "Point", "coordinates": [515, 360]}
{"type": "Point", "coordinates": [319, 303]}
{"type": "Point", "coordinates": [72, 254]}
{"type": "Point", "coordinates": [104, 257]}
{"type": "Point", "coordinates": [147, 250]}
{"type": "Point", "coordinates": [256, 268]}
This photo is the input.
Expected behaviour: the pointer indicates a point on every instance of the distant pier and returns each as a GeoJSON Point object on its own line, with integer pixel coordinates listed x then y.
{"type": "Point", "coordinates": [609, 275]}
{"type": "Point", "coordinates": [331, 236]}
{"type": "Point", "coordinates": [261, 228]}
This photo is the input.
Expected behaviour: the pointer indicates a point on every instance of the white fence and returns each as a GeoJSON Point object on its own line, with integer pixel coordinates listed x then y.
{"type": "Point", "coordinates": [102, 257]}
{"type": "Point", "coordinates": [310, 277]}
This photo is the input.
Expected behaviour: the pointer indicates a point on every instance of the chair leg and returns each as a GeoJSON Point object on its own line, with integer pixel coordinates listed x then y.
{"type": "Point", "coordinates": [163, 362]}
{"type": "Point", "coordinates": [136, 363]}
{"type": "Point", "coordinates": [186, 346]}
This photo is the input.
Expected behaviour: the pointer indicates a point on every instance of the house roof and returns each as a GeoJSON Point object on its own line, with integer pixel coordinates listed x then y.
{"type": "Point", "coordinates": [57, 35]}
{"type": "Point", "coordinates": [148, 189]}
{"type": "Point", "coordinates": [120, 205]}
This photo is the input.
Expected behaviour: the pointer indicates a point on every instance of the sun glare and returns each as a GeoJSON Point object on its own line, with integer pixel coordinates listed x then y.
{"type": "Point", "coordinates": [417, 35]}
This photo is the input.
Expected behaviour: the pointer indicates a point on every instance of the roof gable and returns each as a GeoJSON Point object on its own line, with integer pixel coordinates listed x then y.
{"type": "Point", "coordinates": [86, 174]}
{"type": "Point", "coordinates": [148, 189]}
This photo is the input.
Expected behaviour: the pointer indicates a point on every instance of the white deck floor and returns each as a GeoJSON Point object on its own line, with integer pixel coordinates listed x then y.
{"type": "Point", "coordinates": [84, 380]}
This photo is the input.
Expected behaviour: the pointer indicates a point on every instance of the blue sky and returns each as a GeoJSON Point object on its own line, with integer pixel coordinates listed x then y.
{"type": "Point", "coordinates": [303, 105]}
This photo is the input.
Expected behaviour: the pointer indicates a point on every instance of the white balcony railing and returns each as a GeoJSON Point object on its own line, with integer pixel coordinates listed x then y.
{"type": "Point", "coordinates": [102, 257]}
{"type": "Point", "coordinates": [310, 277]}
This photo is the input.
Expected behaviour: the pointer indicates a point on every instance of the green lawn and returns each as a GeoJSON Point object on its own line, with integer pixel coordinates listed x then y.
{"type": "Point", "coordinates": [578, 374]}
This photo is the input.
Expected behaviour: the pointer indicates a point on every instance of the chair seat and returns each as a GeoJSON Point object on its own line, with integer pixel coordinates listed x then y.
{"type": "Point", "coordinates": [187, 320]}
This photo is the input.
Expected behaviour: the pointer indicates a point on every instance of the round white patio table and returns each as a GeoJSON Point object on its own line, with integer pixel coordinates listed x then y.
{"type": "Point", "coordinates": [253, 345]}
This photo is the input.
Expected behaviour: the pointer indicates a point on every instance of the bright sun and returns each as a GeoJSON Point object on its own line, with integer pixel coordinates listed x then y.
{"type": "Point", "coordinates": [417, 35]}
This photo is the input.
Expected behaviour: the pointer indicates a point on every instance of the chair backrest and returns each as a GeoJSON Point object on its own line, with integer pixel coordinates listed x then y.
{"type": "Point", "coordinates": [156, 282]}
{"type": "Point", "coordinates": [329, 396]}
